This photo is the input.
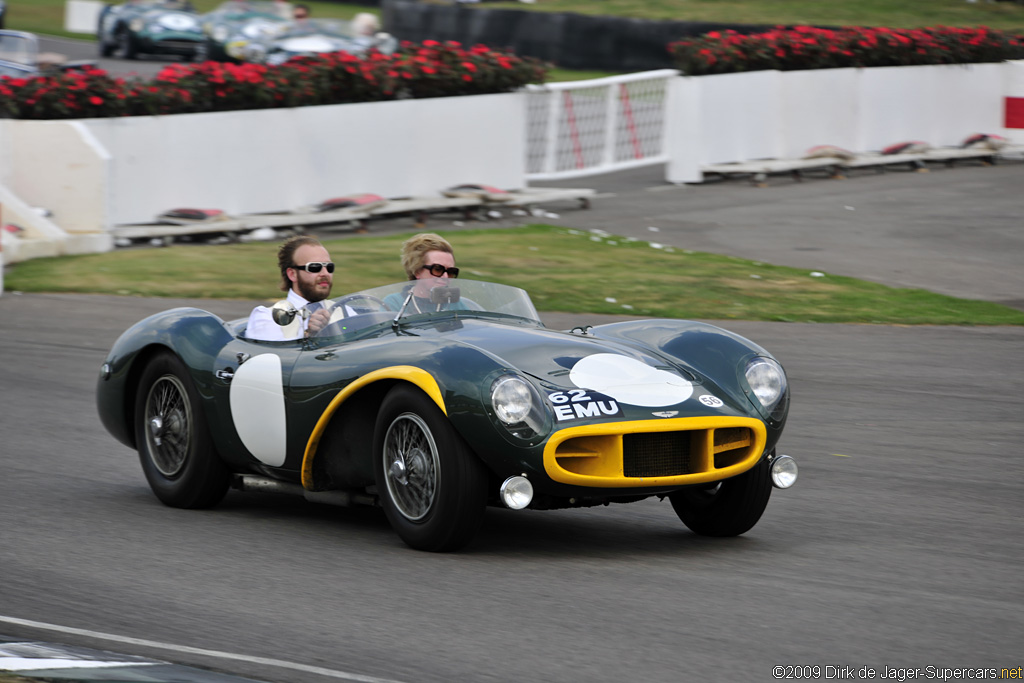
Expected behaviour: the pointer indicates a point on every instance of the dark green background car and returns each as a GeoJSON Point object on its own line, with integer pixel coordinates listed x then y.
{"type": "Point", "coordinates": [152, 27]}
{"type": "Point", "coordinates": [435, 408]}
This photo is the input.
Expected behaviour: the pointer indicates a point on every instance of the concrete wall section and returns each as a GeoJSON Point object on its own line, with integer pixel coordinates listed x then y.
{"type": "Point", "coordinates": [940, 105]}
{"type": "Point", "coordinates": [275, 160]}
{"type": "Point", "coordinates": [819, 108]}
{"type": "Point", "coordinates": [58, 166]}
{"type": "Point", "coordinates": [739, 116]}
{"type": "Point", "coordinates": [781, 115]}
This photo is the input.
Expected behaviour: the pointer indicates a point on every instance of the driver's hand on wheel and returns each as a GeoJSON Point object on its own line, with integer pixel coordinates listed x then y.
{"type": "Point", "coordinates": [318, 321]}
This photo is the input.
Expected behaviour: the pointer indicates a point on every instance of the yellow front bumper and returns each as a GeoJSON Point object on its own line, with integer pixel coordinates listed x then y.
{"type": "Point", "coordinates": [672, 452]}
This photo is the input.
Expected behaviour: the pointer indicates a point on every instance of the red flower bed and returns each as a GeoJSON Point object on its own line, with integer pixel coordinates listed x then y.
{"type": "Point", "coordinates": [428, 70]}
{"type": "Point", "coordinates": [806, 47]}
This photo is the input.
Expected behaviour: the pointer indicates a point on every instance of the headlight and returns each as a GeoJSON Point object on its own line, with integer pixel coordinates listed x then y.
{"type": "Point", "coordinates": [512, 400]}
{"type": "Point", "coordinates": [767, 380]}
{"type": "Point", "coordinates": [516, 493]}
{"type": "Point", "coordinates": [784, 471]}
{"type": "Point", "coordinates": [137, 24]}
{"type": "Point", "coordinates": [518, 406]}
{"type": "Point", "coordinates": [220, 33]}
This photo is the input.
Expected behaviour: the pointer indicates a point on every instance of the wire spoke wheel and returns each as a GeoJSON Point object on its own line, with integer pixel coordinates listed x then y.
{"type": "Point", "coordinates": [411, 466]}
{"type": "Point", "coordinates": [169, 420]}
{"type": "Point", "coordinates": [173, 438]}
{"type": "Point", "coordinates": [433, 488]}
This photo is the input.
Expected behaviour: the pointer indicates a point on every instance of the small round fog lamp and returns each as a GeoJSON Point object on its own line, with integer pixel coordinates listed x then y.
{"type": "Point", "coordinates": [784, 471]}
{"type": "Point", "coordinates": [516, 492]}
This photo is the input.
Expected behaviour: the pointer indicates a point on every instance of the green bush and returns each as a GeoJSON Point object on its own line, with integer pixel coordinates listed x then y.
{"type": "Point", "coordinates": [429, 70]}
{"type": "Point", "coordinates": [806, 47]}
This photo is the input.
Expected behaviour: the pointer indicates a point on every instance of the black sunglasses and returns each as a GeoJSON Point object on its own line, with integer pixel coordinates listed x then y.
{"type": "Point", "coordinates": [437, 270]}
{"type": "Point", "coordinates": [315, 266]}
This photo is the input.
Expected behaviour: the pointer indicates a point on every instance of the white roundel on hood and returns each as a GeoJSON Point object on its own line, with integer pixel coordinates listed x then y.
{"type": "Point", "coordinates": [630, 381]}
{"type": "Point", "coordinates": [257, 407]}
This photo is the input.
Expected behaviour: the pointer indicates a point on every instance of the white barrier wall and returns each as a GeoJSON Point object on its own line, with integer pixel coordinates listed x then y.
{"type": "Point", "coordinates": [93, 174]}
{"type": "Point", "coordinates": [135, 168]}
{"type": "Point", "coordinates": [780, 115]}
{"type": "Point", "coordinates": [60, 167]}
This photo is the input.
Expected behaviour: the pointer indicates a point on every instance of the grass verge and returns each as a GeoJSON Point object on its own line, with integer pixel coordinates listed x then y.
{"type": "Point", "coordinates": [564, 270]}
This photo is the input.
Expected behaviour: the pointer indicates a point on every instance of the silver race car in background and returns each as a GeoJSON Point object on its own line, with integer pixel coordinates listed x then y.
{"type": "Point", "coordinates": [234, 24]}
{"type": "Point", "coordinates": [20, 57]}
{"type": "Point", "coordinates": [314, 36]}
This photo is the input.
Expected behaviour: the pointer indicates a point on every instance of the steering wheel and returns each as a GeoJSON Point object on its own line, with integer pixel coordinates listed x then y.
{"type": "Point", "coordinates": [343, 302]}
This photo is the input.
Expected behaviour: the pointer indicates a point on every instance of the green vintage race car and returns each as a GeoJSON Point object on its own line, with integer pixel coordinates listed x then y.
{"type": "Point", "coordinates": [154, 27]}
{"type": "Point", "coordinates": [435, 409]}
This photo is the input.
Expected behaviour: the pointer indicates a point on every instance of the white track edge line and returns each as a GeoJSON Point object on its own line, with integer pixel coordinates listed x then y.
{"type": "Point", "coordinates": [185, 649]}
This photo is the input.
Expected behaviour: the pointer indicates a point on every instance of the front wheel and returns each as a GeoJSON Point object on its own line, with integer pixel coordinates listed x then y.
{"type": "Point", "coordinates": [432, 486]}
{"type": "Point", "coordinates": [171, 434]}
{"type": "Point", "coordinates": [125, 46]}
{"type": "Point", "coordinates": [728, 508]}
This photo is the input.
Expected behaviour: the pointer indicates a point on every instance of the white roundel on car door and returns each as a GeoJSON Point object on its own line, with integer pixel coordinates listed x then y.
{"type": "Point", "coordinates": [257, 408]}
{"type": "Point", "coordinates": [629, 381]}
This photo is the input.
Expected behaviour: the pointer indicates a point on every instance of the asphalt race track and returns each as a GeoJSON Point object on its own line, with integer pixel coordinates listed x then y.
{"type": "Point", "coordinates": [899, 547]}
{"type": "Point", "coordinates": [85, 49]}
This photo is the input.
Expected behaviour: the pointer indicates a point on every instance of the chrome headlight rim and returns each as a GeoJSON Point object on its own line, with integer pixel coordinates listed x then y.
{"type": "Point", "coordinates": [516, 492]}
{"type": "Point", "coordinates": [784, 471]}
{"type": "Point", "coordinates": [511, 399]}
{"type": "Point", "coordinates": [516, 404]}
{"type": "Point", "coordinates": [767, 381]}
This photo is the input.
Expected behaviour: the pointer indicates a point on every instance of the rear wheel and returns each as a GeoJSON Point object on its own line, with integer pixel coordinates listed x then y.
{"type": "Point", "coordinates": [179, 462]}
{"type": "Point", "coordinates": [432, 487]}
{"type": "Point", "coordinates": [728, 508]}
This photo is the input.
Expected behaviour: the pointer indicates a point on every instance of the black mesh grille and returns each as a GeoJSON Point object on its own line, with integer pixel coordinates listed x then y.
{"type": "Point", "coordinates": [732, 437]}
{"type": "Point", "coordinates": [656, 454]}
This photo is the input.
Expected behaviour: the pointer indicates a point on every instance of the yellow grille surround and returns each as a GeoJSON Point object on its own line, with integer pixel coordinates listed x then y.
{"type": "Point", "coordinates": [672, 452]}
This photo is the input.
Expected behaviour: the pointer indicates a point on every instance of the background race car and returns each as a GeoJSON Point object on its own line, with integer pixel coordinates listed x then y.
{"type": "Point", "coordinates": [312, 37]}
{"type": "Point", "coordinates": [20, 57]}
{"type": "Point", "coordinates": [435, 400]}
{"type": "Point", "coordinates": [234, 24]}
{"type": "Point", "coordinates": [151, 27]}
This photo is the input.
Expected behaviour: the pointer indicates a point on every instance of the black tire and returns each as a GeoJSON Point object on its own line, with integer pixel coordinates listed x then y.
{"type": "Point", "coordinates": [730, 508]}
{"type": "Point", "coordinates": [432, 487]}
{"type": "Point", "coordinates": [125, 47]}
{"type": "Point", "coordinates": [171, 434]}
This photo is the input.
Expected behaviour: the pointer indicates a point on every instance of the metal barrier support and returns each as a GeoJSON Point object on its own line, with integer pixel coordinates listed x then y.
{"type": "Point", "coordinates": [585, 128]}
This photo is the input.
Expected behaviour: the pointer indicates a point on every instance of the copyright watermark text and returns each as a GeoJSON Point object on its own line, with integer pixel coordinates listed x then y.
{"type": "Point", "coordinates": [892, 673]}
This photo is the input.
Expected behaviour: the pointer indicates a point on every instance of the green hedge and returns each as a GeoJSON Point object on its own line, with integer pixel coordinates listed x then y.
{"type": "Point", "coordinates": [806, 47]}
{"type": "Point", "coordinates": [430, 69]}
